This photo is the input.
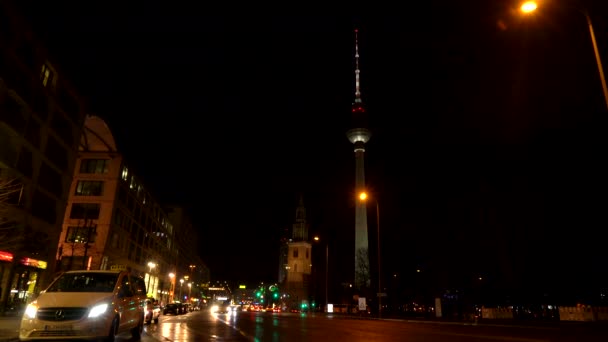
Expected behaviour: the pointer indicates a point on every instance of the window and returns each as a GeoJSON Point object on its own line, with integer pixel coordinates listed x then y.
{"type": "Point", "coordinates": [11, 114]}
{"type": "Point", "coordinates": [24, 164]}
{"type": "Point", "coordinates": [94, 166]}
{"type": "Point", "coordinates": [306, 253]}
{"type": "Point", "coordinates": [295, 252]}
{"type": "Point", "coordinates": [56, 153]}
{"type": "Point", "coordinates": [63, 128]}
{"type": "Point", "coordinates": [46, 75]}
{"type": "Point", "coordinates": [44, 207]}
{"type": "Point", "coordinates": [139, 286]}
{"type": "Point", "coordinates": [81, 234]}
{"type": "Point", "coordinates": [68, 104]}
{"type": "Point", "coordinates": [85, 211]}
{"type": "Point", "coordinates": [125, 173]}
{"type": "Point", "coordinates": [114, 240]}
{"type": "Point", "coordinates": [50, 179]}
{"type": "Point", "coordinates": [89, 188]}
{"type": "Point", "coordinates": [32, 133]}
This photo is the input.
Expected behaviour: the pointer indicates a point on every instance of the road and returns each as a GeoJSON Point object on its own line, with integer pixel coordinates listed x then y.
{"type": "Point", "coordinates": [263, 326]}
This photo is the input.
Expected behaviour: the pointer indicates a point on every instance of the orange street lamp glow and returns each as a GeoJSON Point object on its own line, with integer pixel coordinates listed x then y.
{"type": "Point", "coordinates": [363, 196]}
{"type": "Point", "coordinates": [529, 6]}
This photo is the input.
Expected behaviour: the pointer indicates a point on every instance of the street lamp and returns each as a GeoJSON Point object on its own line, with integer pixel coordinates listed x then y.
{"type": "Point", "coordinates": [151, 265]}
{"type": "Point", "coordinates": [363, 197]}
{"type": "Point", "coordinates": [181, 282]}
{"type": "Point", "coordinates": [530, 6]}
{"type": "Point", "coordinates": [326, 271]}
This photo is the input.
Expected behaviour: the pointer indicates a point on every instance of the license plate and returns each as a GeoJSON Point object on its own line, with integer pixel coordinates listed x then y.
{"type": "Point", "coordinates": [57, 327]}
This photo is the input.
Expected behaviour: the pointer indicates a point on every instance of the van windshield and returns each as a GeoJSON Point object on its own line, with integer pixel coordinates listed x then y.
{"type": "Point", "coordinates": [84, 282]}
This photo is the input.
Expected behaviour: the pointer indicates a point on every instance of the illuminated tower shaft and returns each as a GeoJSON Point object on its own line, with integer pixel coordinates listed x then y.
{"type": "Point", "coordinates": [359, 135]}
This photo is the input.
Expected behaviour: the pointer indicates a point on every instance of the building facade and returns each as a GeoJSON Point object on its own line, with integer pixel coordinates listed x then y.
{"type": "Point", "coordinates": [112, 221]}
{"type": "Point", "coordinates": [41, 118]}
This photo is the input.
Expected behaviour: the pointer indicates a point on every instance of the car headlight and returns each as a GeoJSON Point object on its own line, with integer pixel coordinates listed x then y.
{"type": "Point", "coordinates": [215, 308]}
{"type": "Point", "coordinates": [30, 311]}
{"type": "Point", "coordinates": [98, 310]}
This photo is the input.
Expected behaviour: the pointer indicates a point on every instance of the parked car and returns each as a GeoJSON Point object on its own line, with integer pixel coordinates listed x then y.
{"type": "Point", "coordinates": [86, 305]}
{"type": "Point", "coordinates": [152, 312]}
{"type": "Point", "coordinates": [172, 309]}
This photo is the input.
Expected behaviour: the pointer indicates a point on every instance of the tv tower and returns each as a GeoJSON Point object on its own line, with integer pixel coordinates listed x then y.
{"type": "Point", "coordinates": [359, 135]}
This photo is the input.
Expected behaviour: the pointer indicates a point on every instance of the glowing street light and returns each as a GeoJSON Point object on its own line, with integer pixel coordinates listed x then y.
{"type": "Point", "coordinates": [181, 283]}
{"type": "Point", "coordinates": [529, 7]}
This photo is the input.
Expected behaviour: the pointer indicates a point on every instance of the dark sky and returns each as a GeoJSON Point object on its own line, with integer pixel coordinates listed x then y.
{"type": "Point", "coordinates": [488, 145]}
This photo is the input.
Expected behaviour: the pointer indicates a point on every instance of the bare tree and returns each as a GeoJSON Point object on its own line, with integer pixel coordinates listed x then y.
{"type": "Point", "coordinates": [9, 236]}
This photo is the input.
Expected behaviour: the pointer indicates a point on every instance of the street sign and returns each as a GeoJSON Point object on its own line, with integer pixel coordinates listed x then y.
{"type": "Point", "coordinates": [381, 294]}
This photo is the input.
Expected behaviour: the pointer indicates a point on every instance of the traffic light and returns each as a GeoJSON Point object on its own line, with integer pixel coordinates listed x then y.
{"type": "Point", "coordinates": [275, 295]}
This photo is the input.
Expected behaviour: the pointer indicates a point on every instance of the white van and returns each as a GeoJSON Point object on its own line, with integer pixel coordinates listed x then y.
{"type": "Point", "coordinates": [86, 305]}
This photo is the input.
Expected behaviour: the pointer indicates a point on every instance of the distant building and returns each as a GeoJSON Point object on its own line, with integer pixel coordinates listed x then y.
{"type": "Point", "coordinates": [41, 119]}
{"type": "Point", "coordinates": [189, 265]}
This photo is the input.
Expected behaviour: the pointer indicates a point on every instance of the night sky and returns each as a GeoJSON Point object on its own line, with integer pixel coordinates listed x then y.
{"type": "Point", "coordinates": [488, 132]}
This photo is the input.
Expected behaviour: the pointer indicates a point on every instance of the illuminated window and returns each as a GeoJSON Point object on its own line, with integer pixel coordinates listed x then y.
{"type": "Point", "coordinates": [125, 173]}
{"type": "Point", "coordinates": [81, 234]}
{"type": "Point", "coordinates": [295, 252]}
{"type": "Point", "coordinates": [132, 185]}
{"type": "Point", "coordinates": [98, 166]}
{"type": "Point", "coordinates": [46, 75]}
{"type": "Point", "coordinates": [89, 188]}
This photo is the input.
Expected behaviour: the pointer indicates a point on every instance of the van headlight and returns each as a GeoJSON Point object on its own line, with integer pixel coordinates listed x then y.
{"type": "Point", "coordinates": [30, 311]}
{"type": "Point", "coordinates": [98, 310]}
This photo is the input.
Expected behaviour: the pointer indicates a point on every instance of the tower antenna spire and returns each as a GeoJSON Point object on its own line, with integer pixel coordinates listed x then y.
{"type": "Point", "coordinates": [357, 83]}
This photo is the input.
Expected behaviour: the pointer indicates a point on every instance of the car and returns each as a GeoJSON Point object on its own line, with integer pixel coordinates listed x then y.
{"type": "Point", "coordinates": [172, 309]}
{"type": "Point", "coordinates": [87, 305]}
{"type": "Point", "coordinates": [152, 313]}
{"type": "Point", "coordinates": [221, 307]}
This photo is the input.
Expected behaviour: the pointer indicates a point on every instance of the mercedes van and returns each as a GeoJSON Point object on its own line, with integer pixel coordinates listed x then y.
{"type": "Point", "coordinates": [86, 305]}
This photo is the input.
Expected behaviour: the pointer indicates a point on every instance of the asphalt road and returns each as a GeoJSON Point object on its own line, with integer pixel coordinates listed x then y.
{"type": "Point", "coordinates": [263, 326]}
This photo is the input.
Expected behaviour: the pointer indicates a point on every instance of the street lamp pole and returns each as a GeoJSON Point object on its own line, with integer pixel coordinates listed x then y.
{"type": "Point", "coordinates": [380, 293]}
{"type": "Point", "coordinates": [363, 197]}
{"type": "Point", "coordinates": [326, 273]}
{"type": "Point", "coordinates": [316, 238]}
{"type": "Point", "coordinates": [597, 56]}
{"type": "Point", "coordinates": [531, 6]}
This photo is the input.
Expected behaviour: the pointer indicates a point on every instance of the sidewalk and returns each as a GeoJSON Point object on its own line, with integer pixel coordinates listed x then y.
{"type": "Point", "coordinates": [9, 328]}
